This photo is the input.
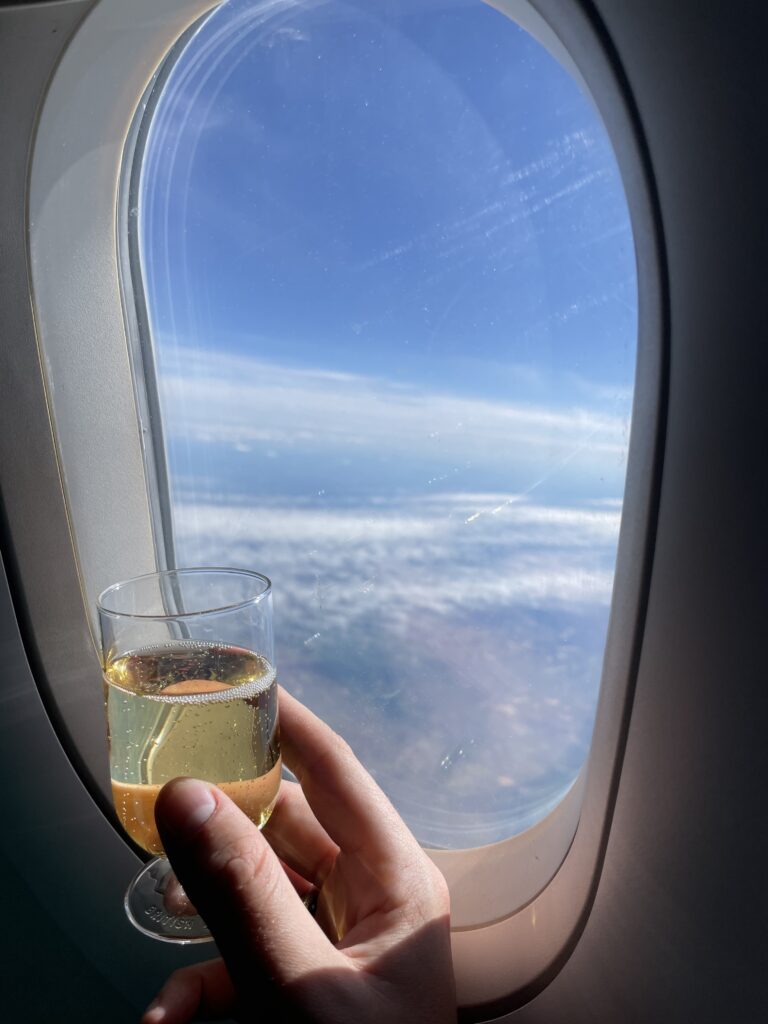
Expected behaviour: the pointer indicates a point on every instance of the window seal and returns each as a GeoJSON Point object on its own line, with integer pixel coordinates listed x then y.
{"type": "Point", "coordinates": [135, 311]}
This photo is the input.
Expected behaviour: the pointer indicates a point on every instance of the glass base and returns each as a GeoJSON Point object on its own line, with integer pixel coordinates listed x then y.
{"type": "Point", "coordinates": [157, 905]}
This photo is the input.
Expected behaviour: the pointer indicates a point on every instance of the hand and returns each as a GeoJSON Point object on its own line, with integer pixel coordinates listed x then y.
{"type": "Point", "coordinates": [378, 950]}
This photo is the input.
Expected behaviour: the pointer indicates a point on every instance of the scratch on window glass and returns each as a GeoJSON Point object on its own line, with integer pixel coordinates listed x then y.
{"type": "Point", "coordinates": [537, 483]}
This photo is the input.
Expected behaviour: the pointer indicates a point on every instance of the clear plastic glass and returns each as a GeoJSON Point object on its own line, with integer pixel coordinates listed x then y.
{"type": "Point", "coordinates": [190, 690]}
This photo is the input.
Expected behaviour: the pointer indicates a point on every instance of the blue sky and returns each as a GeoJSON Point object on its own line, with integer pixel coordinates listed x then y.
{"type": "Point", "coordinates": [391, 285]}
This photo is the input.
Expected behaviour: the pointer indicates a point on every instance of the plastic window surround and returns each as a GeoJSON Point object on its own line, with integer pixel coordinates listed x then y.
{"type": "Point", "coordinates": [519, 905]}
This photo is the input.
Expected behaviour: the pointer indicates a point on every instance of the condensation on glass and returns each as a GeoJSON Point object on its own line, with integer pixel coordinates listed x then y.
{"type": "Point", "coordinates": [391, 288]}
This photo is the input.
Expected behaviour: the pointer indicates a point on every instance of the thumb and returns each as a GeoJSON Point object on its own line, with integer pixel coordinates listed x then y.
{"type": "Point", "coordinates": [238, 885]}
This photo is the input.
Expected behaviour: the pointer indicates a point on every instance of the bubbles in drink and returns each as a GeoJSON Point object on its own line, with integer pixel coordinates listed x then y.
{"type": "Point", "coordinates": [196, 709]}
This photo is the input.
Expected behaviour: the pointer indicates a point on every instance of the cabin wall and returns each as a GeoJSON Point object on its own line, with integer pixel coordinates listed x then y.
{"type": "Point", "coordinates": [677, 931]}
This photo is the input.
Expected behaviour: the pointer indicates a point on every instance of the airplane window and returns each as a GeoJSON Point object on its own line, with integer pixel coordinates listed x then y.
{"type": "Point", "coordinates": [391, 293]}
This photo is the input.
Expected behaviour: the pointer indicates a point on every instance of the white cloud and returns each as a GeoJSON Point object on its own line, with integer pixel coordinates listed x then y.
{"type": "Point", "coordinates": [420, 557]}
{"type": "Point", "coordinates": [242, 401]}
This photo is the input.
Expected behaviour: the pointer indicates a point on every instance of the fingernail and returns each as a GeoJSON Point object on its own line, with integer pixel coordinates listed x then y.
{"type": "Point", "coordinates": [154, 1013]}
{"type": "Point", "coordinates": [185, 806]}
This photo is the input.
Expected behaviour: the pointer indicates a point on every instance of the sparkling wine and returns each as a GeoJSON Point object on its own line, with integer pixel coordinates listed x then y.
{"type": "Point", "coordinates": [196, 709]}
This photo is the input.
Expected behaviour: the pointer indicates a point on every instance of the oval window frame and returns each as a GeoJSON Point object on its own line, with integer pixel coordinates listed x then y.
{"type": "Point", "coordinates": [541, 921]}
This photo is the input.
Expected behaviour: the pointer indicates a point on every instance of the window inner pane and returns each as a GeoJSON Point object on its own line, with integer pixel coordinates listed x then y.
{"type": "Point", "coordinates": [391, 287]}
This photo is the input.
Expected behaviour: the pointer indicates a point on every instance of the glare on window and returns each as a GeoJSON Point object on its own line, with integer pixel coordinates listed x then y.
{"type": "Point", "coordinates": [391, 286]}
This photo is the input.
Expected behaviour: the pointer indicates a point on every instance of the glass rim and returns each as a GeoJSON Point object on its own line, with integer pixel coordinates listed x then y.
{"type": "Point", "coordinates": [192, 570]}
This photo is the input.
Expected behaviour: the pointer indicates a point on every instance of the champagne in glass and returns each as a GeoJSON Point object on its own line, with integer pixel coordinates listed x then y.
{"type": "Point", "coordinates": [190, 691]}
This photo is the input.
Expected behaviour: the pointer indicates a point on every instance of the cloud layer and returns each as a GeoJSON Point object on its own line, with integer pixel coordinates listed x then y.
{"type": "Point", "coordinates": [250, 405]}
{"type": "Point", "coordinates": [453, 634]}
{"type": "Point", "coordinates": [461, 660]}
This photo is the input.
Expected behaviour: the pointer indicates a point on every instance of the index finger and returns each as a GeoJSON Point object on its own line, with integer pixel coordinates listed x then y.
{"type": "Point", "coordinates": [346, 801]}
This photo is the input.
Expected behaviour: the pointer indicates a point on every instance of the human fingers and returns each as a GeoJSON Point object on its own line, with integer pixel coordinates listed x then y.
{"type": "Point", "coordinates": [175, 900]}
{"type": "Point", "coordinates": [297, 837]}
{"type": "Point", "coordinates": [346, 801]}
{"type": "Point", "coordinates": [200, 991]}
{"type": "Point", "coordinates": [240, 888]}
{"type": "Point", "coordinates": [303, 887]}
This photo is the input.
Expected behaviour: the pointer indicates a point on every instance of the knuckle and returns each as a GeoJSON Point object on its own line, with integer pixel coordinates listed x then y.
{"type": "Point", "coordinates": [441, 892]}
{"type": "Point", "coordinates": [239, 863]}
{"type": "Point", "coordinates": [328, 763]}
{"type": "Point", "coordinates": [337, 751]}
{"type": "Point", "coordinates": [343, 748]}
{"type": "Point", "coordinates": [324, 865]}
{"type": "Point", "coordinates": [429, 896]}
{"type": "Point", "coordinates": [179, 976]}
